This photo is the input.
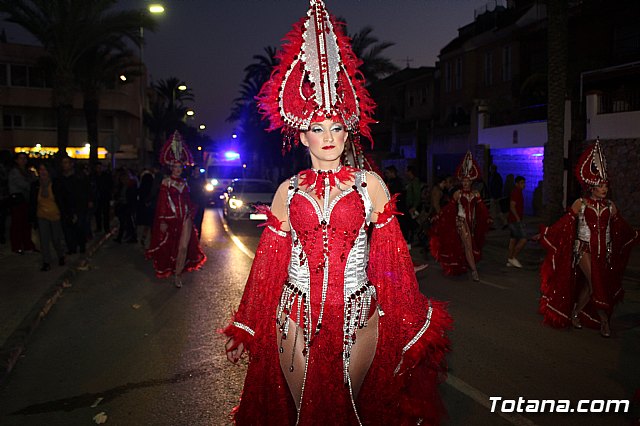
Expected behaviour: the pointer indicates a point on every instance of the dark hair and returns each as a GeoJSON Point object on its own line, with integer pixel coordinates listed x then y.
{"type": "Point", "coordinates": [519, 179]}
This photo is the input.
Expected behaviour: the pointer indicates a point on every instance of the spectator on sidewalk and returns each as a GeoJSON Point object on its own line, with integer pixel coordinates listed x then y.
{"type": "Point", "coordinates": [199, 197]}
{"type": "Point", "coordinates": [495, 194]}
{"type": "Point", "coordinates": [518, 234]}
{"type": "Point", "coordinates": [20, 180]}
{"type": "Point", "coordinates": [125, 206]}
{"type": "Point", "coordinates": [5, 166]}
{"type": "Point", "coordinates": [505, 201]}
{"type": "Point", "coordinates": [104, 194]}
{"type": "Point", "coordinates": [74, 205]}
{"type": "Point", "coordinates": [45, 216]}
{"type": "Point", "coordinates": [144, 208]}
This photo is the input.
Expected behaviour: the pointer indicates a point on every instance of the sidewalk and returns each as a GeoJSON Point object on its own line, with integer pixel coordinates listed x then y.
{"type": "Point", "coordinates": [27, 294]}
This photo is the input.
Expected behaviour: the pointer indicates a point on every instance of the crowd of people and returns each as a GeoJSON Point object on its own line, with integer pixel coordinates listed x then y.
{"type": "Point", "coordinates": [56, 206]}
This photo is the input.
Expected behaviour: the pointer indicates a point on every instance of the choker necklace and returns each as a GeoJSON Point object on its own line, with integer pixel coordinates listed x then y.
{"type": "Point", "coordinates": [321, 179]}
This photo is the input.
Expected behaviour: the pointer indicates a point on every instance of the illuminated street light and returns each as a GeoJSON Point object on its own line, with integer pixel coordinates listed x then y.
{"type": "Point", "coordinates": [190, 112]}
{"type": "Point", "coordinates": [199, 148]}
{"type": "Point", "coordinates": [202, 127]}
{"type": "Point", "coordinates": [156, 8]}
{"type": "Point", "coordinates": [123, 77]}
{"type": "Point", "coordinates": [234, 136]}
{"type": "Point", "coordinates": [182, 87]}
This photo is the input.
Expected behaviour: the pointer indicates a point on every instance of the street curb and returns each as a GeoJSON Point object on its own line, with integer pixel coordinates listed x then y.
{"type": "Point", "coordinates": [16, 343]}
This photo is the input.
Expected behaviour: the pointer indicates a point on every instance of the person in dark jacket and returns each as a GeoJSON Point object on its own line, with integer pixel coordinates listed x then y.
{"type": "Point", "coordinates": [20, 180]}
{"type": "Point", "coordinates": [74, 205]}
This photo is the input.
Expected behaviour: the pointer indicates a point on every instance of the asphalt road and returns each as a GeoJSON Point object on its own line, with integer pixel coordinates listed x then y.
{"type": "Point", "coordinates": [131, 347]}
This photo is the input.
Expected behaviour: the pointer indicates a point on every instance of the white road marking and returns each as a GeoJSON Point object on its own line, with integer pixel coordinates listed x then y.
{"type": "Point", "coordinates": [482, 399]}
{"type": "Point", "coordinates": [452, 381]}
{"type": "Point", "coordinates": [244, 249]}
{"type": "Point", "coordinates": [489, 283]}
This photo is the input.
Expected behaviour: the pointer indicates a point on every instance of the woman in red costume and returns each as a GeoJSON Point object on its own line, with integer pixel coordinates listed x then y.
{"type": "Point", "coordinates": [587, 252]}
{"type": "Point", "coordinates": [332, 317]}
{"type": "Point", "coordinates": [459, 230]}
{"type": "Point", "coordinates": [174, 245]}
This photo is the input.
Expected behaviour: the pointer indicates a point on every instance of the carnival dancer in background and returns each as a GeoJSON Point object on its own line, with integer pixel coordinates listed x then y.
{"type": "Point", "coordinates": [174, 245]}
{"type": "Point", "coordinates": [587, 252]}
{"type": "Point", "coordinates": [459, 230]}
{"type": "Point", "coordinates": [333, 339]}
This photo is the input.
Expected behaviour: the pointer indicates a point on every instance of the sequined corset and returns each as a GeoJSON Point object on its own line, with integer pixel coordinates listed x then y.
{"type": "Point", "coordinates": [327, 270]}
{"type": "Point", "coordinates": [593, 225]}
{"type": "Point", "coordinates": [466, 208]}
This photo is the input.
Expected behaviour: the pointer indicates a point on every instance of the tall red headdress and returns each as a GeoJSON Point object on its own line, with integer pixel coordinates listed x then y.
{"type": "Point", "coordinates": [317, 78]}
{"type": "Point", "coordinates": [175, 151]}
{"type": "Point", "coordinates": [468, 168]}
{"type": "Point", "coordinates": [591, 169]}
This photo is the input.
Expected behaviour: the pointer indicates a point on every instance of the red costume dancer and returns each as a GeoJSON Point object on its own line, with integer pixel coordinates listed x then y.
{"type": "Point", "coordinates": [174, 245]}
{"type": "Point", "coordinates": [587, 252]}
{"type": "Point", "coordinates": [459, 230]}
{"type": "Point", "coordinates": [332, 316]}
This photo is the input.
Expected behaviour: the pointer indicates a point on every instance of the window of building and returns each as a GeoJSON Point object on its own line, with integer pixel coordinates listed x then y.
{"type": "Point", "coordinates": [458, 73]}
{"type": "Point", "coordinates": [506, 63]}
{"type": "Point", "coordinates": [626, 40]}
{"type": "Point", "coordinates": [19, 75]}
{"type": "Point", "coordinates": [488, 69]}
{"type": "Point", "coordinates": [11, 121]}
{"type": "Point", "coordinates": [37, 77]}
{"type": "Point", "coordinates": [3, 75]}
{"type": "Point", "coordinates": [447, 77]}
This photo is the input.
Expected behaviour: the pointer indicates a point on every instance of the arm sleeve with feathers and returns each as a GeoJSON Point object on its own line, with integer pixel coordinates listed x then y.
{"type": "Point", "coordinates": [257, 308]}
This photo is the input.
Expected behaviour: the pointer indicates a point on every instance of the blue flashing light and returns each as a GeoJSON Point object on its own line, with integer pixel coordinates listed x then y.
{"type": "Point", "coordinates": [231, 155]}
{"type": "Point", "coordinates": [202, 170]}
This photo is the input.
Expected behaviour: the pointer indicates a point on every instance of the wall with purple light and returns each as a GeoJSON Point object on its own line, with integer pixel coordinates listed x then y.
{"type": "Point", "coordinates": [526, 162]}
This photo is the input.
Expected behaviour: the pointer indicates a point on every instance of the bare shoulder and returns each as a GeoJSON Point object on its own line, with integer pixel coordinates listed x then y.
{"type": "Point", "coordinates": [577, 204]}
{"type": "Point", "coordinates": [374, 180]}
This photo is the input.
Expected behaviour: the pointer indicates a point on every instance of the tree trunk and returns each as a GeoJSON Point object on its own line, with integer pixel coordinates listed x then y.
{"type": "Point", "coordinates": [91, 111]}
{"type": "Point", "coordinates": [63, 101]}
{"type": "Point", "coordinates": [557, 90]}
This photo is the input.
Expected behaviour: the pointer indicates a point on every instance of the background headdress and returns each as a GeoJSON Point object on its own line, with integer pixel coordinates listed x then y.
{"type": "Point", "coordinates": [591, 169]}
{"type": "Point", "coordinates": [468, 168]}
{"type": "Point", "coordinates": [317, 78]}
{"type": "Point", "coordinates": [175, 151]}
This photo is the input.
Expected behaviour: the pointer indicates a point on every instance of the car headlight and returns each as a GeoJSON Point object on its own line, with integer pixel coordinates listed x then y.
{"type": "Point", "coordinates": [214, 182]}
{"type": "Point", "coordinates": [235, 203]}
{"type": "Point", "coordinates": [209, 188]}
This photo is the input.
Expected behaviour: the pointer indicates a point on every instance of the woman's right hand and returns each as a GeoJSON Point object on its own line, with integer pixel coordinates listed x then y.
{"type": "Point", "coordinates": [163, 227]}
{"type": "Point", "coordinates": [234, 355]}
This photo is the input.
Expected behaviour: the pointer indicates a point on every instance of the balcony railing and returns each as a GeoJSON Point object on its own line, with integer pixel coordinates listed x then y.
{"type": "Point", "coordinates": [526, 114]}
{"type": "Point", "coordinates": [623, 102]}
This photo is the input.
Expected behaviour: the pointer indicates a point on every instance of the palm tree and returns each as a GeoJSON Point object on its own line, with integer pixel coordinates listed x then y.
{"type": "Point", "coordinates": [96, 69]}
{"type": "Point", "coordinates": [68, 29]}
{"type": "Point", "coordinates": [167, 109]}
{"type": "Point", "coordinates": [369, 49]}
{"type": "Point", "coordinates": [557, 17]}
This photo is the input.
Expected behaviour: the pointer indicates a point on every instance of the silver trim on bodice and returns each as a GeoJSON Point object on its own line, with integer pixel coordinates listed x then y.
{"type": "Point", "coordinates": [584, 232]}
{"type": "Point", "coordinates": [358, 292]}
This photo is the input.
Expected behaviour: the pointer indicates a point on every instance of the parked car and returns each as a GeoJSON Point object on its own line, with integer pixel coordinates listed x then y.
{"type": "Point", "coordinates": [243, 195]}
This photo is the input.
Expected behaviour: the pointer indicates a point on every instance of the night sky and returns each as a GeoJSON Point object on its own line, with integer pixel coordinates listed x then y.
{"type": "Point", "coordinates": [207, 43]}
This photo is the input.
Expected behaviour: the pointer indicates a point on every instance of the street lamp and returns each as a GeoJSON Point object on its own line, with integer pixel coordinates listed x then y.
{"type": "Point", "coordinates": [191, 112]}
{"type": "Point", "coordinates": [202, 127]}
{"type": "Point", "coordinates": [155, 9]}
{"type": "Point", "coordinates": [182, 87]}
